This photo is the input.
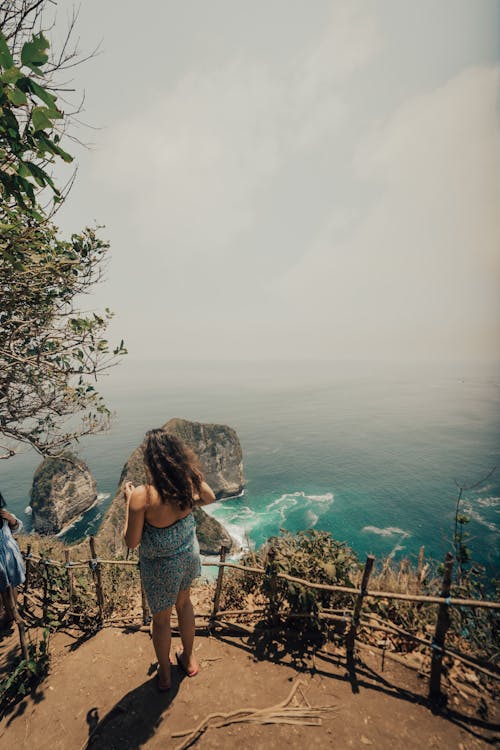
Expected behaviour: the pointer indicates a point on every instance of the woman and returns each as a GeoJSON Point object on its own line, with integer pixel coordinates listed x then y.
{"type": "Point", "coordinates": [159, 517]}
{"type": "Point", "coordinates": [11, 561]}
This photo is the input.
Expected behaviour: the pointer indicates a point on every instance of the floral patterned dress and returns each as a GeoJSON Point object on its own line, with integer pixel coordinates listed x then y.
{"type": "Point", "coordinates": [169, 561]}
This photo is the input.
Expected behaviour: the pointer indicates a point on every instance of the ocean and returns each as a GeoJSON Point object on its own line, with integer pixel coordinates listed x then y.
{"type": "Point", "coordinates": [370, 452]}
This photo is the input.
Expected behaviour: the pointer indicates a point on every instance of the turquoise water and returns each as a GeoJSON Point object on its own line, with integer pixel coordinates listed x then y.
{"type": "Point", "coordinates": [368, 452]}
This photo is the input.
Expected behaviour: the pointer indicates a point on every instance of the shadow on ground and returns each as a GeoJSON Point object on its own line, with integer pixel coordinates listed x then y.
{"type": "Point", "coordinates": [134, 719]}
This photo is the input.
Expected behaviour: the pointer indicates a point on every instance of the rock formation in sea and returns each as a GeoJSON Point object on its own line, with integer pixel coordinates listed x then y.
{"type": "Point", "coordinates": [219, 451]}
{"type": "Point", "coordinates": [63, 488]}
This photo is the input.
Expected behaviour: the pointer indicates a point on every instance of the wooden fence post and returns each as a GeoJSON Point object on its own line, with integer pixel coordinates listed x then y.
{"type": "Point", "coordinates": [27, 570]}
{"type": "Point", "coordinates": [272, 585]}
{"type": "Point", "coordinates": [420, 568]}
{"type": "Point", "coordinates": [19, 622]}
{"type": "Point", "coordinates": [67, 559]}
{"type": "Point", "coordinates": [442, 625]}
{"type": "Point", "coordinates": [45, 601]}
{"type": "Point", "coordinates": [95, 567]}
{"type": "Point", "coordinates": [351, 636]}
{"type": "Point", "coordinates": [218, 588]}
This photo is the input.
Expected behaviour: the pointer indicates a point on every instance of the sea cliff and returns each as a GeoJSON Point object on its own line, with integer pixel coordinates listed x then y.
{"type": "Point", "coordinates": [63, 488]}
{"type": "Point", "coordinates": [219, 451]}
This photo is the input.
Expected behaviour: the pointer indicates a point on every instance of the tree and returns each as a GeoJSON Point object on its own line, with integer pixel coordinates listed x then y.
{"type": "Point", "coordinates": [30, 116]}
{"type": "Point", "coordinates": [50, 351]}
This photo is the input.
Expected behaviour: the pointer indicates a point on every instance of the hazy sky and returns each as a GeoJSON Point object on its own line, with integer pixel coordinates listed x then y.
{"type": "Point", "coordinates": [294, 179]}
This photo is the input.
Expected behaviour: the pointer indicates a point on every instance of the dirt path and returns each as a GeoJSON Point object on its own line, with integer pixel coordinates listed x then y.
{"type": "Point", "coordinates": [103, 688]}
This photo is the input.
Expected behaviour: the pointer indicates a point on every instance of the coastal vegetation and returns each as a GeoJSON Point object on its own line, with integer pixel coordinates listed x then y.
{"type": "Point", "coordinates": [50, 350]}
{"type": "Point", "coordinates": [316, 556]}
{"type": "Point", "coordinates": [286, 616]}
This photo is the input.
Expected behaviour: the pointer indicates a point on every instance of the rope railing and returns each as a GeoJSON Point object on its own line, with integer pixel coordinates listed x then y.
{"type": "Point", "coordinates": [353, 620]}
{"type": "Point", "coordinates": [368, 593]}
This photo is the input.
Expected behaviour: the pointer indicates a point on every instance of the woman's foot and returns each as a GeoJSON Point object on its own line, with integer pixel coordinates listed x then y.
{"type": "Point", "coordinates": [163, 681]}
{"type": "Point", "coordinates": [190, 668]}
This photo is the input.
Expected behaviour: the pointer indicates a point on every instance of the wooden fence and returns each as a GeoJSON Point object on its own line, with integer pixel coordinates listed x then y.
{"type": "Point", "coordinates": [353, 620]}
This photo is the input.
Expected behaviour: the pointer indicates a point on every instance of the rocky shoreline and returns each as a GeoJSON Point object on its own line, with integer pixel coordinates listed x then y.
{"type": "Point", "coordinates": [64, 489]}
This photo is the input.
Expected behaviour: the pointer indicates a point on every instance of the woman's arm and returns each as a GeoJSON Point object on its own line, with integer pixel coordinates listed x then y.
{"type": "Point", "coordinates": [134, 514]}
{"type": "Point", "coordinates": [206, 495]}
{"type": "Point", "coordinates": [10, 518]}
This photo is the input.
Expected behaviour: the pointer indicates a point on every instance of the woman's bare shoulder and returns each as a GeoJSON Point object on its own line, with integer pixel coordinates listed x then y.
{"type": "Point", "coordinates": [139, 498]}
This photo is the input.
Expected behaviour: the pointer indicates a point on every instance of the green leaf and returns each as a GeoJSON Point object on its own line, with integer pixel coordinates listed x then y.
{"type": "Point", "coordinates": [6, 59]}
{"type": "Point", "coordinates": [17, 97]}
{"type": "Point", "coordinates": [11, 75]}
{"type": "Point", "coordinates": [31, 666]}
{"type": "Point", "coordinates": [49, 145]}
{"type": "Point", "coordinates": [33, 54]}
{"type": "Point", "coordinates": [46, 97]}
{"type": "Point", "coordinates": [63, 154]}
{"type": "Point", "coordinates": [40, 175]}
{"type": "Point", "coordinates": [23, 170]}
{"type": "Point", "coordinates": [40, 117]}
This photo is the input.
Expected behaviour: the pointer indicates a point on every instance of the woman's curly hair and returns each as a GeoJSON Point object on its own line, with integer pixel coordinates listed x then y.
{"type": "Point", "coordinates": [173, 468]}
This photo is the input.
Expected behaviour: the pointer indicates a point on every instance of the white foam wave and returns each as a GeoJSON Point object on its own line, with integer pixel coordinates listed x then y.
{"type": "Point", "coordinates": [326, 498]}
{"type": "Point", "coordinates": [478, 518]}
{"type": "Point", "coordinates": [246, 511]}
{"type": "Point", "coordinates": [96, 502]}
{"type": "Point", "coordinates": [102, 496]}
{"type": "Point", "coordinates": [488, 502]}
{"type": "Point", "coordinates": [226, 515]}
{"type": "Point", "coordinates": [239, 535]}
{"type": "Point", "coordinates": [394, 550]}
{"type": "Point", "coordinates": [486, 488]}
{"type": "Point", "coordinates": [65, 529]}
{"type": "Point", "coordinates": [387, 531]}
{"type": "Point", "coordinates": [290, 499]}
{"type": "Point", "coordinates": [232, 497]}
{"type": "Point", "coordinates": [28, 510]}
{"type": "Point", "coordinates": [236, 524]}
{"type": "Point", "coordinates": [240, 521]}
{"type": "Point", "coordinates": [312, 518]}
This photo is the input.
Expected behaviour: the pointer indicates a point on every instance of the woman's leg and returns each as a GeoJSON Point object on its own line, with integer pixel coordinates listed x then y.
{"type": "Point", "coordinates": [185, 615]}
{"type": "Point", "coordinates": [7, 604]}
{"type": "Point", "coordinates": [161, 643]}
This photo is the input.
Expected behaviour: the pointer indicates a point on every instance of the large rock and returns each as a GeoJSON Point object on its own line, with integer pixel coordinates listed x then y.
{"type": "Point", "coordinates": [219, 451]}
{"type": "Point", "coordinates": [63, 488]}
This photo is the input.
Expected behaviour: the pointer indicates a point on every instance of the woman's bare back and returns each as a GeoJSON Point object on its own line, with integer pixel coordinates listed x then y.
{"type": "Point", "coordinates": [162, 513]}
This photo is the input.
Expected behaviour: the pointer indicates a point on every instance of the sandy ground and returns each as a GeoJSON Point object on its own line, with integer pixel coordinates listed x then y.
{"type": "Point", "coordinates": [101, 694]}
